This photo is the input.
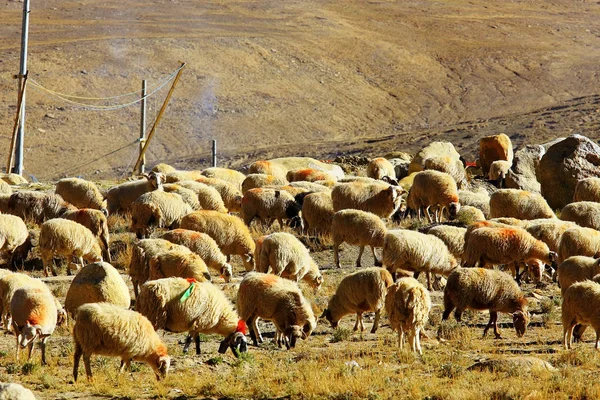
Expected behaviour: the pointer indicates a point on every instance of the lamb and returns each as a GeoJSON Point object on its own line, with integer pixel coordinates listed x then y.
{"type": "Point", "coordinates": [580, 306]}
{"type": "Point", "coordinates": [225, 174]}
{"type": "Point", "coordinates": [109, 330]}
{"type": "Point", "coordinates": [119, 198]}
{"type": "Point", "coordinates": [66, 238]}
{"type": "Point", "coordinates": [286, 256]}
{"type": "Point", "coordinates": [269, 204]}
{"type": "Point", "coordinates": [37, 207]}
{"type": "Point", "coordinates": [519, 204]}
{"type": "Point", "coordinates": [414, 251]}
{"type": "Point", "coordinates": [96, 222]}
{"type": "Point", "coordinates": [187, 195]}
{"type": "Point", "coordinates": [157, 208]}
{"type": "Point", "coordinates": [577, 269]}
{"type": "Point", "coordinates": [208, 197]}
{"type": "Point", "coordinates": [34, 314]}
{"type": "Point", "coordinates": [498, 171]}
{"type": "Point", "coordinates": [317, 213]}
{"type": "Point", "coordinates": [359, 292]}
{"type": "Point", "coordinates": [15, 391]}
{"type": "Point", "coordinates": [578, 242]}
{"type": "Point", "coordinates": [97, 283]}
{"type": "Point", "coordinates": [268, 168]}
{"type": "Point", "coordinates": [13, 234]}
{"type": "Point", "coordinates": [230, 233]}
{"type": "Point", "coordinates": [433, 188]}
{"type": "Point", "coordinates": [380, 167]}
{"type": "Point", "coordinates": [178, 305]}
{"type": "Point", "coordinates": [587, 189]}
{"type": "Point", "coordinates": [583, 213]}
{"type": "Point", "coordinates": [486, 289]}
{"type": "Point", "coordinates": [254, 181]}
{"type": "Point", "coordinates": [359, 228]}
{"type": "Point", "coordinates": [452, 236]}
{"type": "Point", "coordinates": [81, 193]}
{"type": "Point", "coordinates": [278, 300]}
{"type": "Point", "coordinates": [380, 199]}
{"type": "Point", "coordinates": [408, 305]}
{"type": "Point", "coordinates": [181, 264]}
{"type": "Point", "coordinates": [205, 247]}
{"type": "Point", "coordinates": [230, 193]}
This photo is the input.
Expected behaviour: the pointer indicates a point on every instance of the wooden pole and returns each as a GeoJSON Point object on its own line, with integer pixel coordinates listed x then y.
{"type": "Point", "coordinates": [13, 141]}
{"type": "Point", "coordinates": [142, 168]}
{"type": "Point", "coordinates": [214, 153]}
{"type": "Point", "coordinates": [158, 118]}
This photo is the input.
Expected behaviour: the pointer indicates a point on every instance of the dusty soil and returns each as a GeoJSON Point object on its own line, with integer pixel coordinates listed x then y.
{"type": "Point", "coordinates": [318, 78]}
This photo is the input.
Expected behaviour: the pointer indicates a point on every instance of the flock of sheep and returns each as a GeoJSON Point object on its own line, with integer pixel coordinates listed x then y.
{"type": "Point", "coordinates": [187, 228]}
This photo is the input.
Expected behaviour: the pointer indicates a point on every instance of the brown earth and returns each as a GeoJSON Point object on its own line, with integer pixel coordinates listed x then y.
{"type": "Point", "coordinates": [318, 78]}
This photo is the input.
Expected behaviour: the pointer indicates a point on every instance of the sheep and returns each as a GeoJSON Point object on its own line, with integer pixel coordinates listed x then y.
{"type": "Point", "coordinates": [15, 391]}
{"type": "Point", "coordinates": [258, 248]}
{"type": "Point", "coordinates": [359, 292]}
{"type": "Point", "coordinates": [37, 206]}
{"type": "Point", "coordinates": [433, 188]}
{"type": "Point", "coordinates": [80, 193]}
{"type": "Point", "coordinates": [187, 195]}
{"type": "Point", "coordinates": [486, 289]}
{"type": "Point", "coordinates": [380, 199]}
{"type": "Point", "coordinates": [97, 223]}
{"type": "Point", "coordinates": [587, 189]}
{"type": "Point", "coordinates": [519, 204]}
{"type": "Point", "coordinates": [380, 167]}
{"type": "Point", "coordinates": [268, 168]}
{"type": "Point", "coordinates": [309, 175]}
{"type": "Point", "coordinates": [452, 236]}
{"type": "Point", "coordinates": [177, 176]}
{"type": "Point", "coordinates": [178, 305]}
{"type": "Point", "coordinates": [286, 256]}
{"type": "Point", "coordinates": [97, 283]}
{"type": "Point", "coordinates": [254, 181]}
{"type": "Point", "coordinates": [205, 247]}
{"type": "Point", "coordinates": [408, 305]}
{"type": "Point", "coordinates": [230, 193]}
{"type": "Point", "coordinates": [230, 233]}
{"type": "Point", "coordinates": [583, 213]}
{"type": "Point", "coordinates": [278, 300]}
{"type": "Point", "coordinates": [5, 188]}
{"type": "Point", "coordinates": [311, 186]}
{"type": "Point", "coordinates": [13, 234]}
{"type": "Point", "coordinates": [119, 198]}
{"type": "Point", "coordinates": [359, 228]}
{"type": "Point", "coordinates": [498, 171]}
{"type": "Point", "coordinates": [578, 241]}
{"type": "Point", "coordinates": [109, 330]}
{"type": "Point", "coordinates": [306, 162]}
{"type": "Point", "coordinates": [35, 315]}
{"type": "Point", "coordinates": [549, 231]}
{"type": "Point", "coordinates": [225, 174]}
{"type": "Point", "coordinates": [293, 190]}
{"type": "Point", "coordinates": [577, 269]}
{"type": "Point", "coordinates": [450, 165]}
{"type": "Point", "coordinates": [317, 213]}
{"type": "Point", "coordinates": [208, 197]}
{"type": "Point", "coordinates": [580, 306]}
{"type": "Point", "coordinates": [479, 199]}
{"type": "Point", "coordinates": [163, 168]}
{"type": "Point", "coordinates": [4, 199]}
{"type": "Point", "coordinates": [13, 179]}
{"type": "Point", "coordinates": [157, 208]}
{"type": "Point", "coordinates": [492, 148]}
{"type": "Point", "coordinates": [9, 283]}
{"type": "Point", "coordinates": [470, 214]}
{"type": "Point", "coordinates": [182, 264]}
{"type": "Point", "coordinates": [269, 204]}
{"type": "Point", "coordinates": [414, 251]}
{"type": "Point", "coordinates": [66, 238]}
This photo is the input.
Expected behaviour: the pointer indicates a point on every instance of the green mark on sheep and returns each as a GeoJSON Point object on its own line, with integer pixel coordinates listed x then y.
{"type": "Point", "coordinates": [187, 293]}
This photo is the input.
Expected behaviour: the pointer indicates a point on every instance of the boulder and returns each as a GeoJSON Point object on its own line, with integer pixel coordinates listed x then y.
{"type": "Point", "coordinates": [435, 149]}
{"type": "Point", "coordinates": [493, 148]}
{"type": "Point", "coordinates": [511, 364]}
{"type": "Point", "coordinates": [563, 165]}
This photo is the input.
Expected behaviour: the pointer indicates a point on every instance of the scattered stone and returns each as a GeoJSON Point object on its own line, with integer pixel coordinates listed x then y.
{"type": "Point", "coordinates": [510, 364]}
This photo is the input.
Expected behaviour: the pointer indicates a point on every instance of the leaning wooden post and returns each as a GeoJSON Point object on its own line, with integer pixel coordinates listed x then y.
{"type": "Point", "coordinates": [13, 141]}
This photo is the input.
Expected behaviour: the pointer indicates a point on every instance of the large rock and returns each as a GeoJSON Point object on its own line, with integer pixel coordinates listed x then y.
{"type": "Point", "coordinates": [435, 149]}
{"type": "Point", "coordinates": [565, 163]}
{"type": "Point", "coordinates": [493, 148]}
{"type": "Point", "coordinates": [522, 174]}
{"type": "Point", "coordinates": [400, 167]}
{"type": "Point", "coordinates": [511, 364]}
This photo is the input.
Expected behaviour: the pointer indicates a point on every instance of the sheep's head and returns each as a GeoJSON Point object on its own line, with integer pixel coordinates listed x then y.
{"type": "Point", "coordinates": [237, 342]}
{"type": "Point", "coordinates": [226, 272]}
{"type": "Point", "coordinates": [453, 209]}
{"type": "Point", "coordinates": [95, 254]}
{"type": "Point", "coordinates": [536, 269]}
{"type": "Point", "coordinates": [292, 334]}
{"type": "Point", "coordinates": [390, 180]}
{"type": "Point", "coordinates": [248, 261]}
{"type": "Point", "coordinates": [520, 322]}
{"type": "Point", "coordinates": [553, 257]}
{"type": "Point", "coordinates": [327, 315]}
{"type": "Point", "coordinates": [161, 367]}
{"type": "Point", "coordinates": [27, 333]}
{"type": "Point", "coordinates": [61, 316]}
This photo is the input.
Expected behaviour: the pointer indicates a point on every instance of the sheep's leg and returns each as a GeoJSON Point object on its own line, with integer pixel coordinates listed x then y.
{"type": "Point", "coordinates": [429, 287]}
{"type": "Point", "coordinates": [517, 275]}
{"type": "Point", "coordinates": [256, 330]}
{"type": "Point", "coordinates": [336, 256]}
{"type": "Point", "coordinates": [43, 349]}
{"type": "Point", "coordinates": [29, 350]}
{"type": "Point", "coordinates": [400, 338]}
{"type": "Point", "coordinates": [18, 349]}
{"type": "Point", "coordinates": [76, 357]}
{"type": "Point", "coordinates": [186, 343]}
{"type": "Point", "coordinates": [376, 322]}
{"type": "Point", "coordinates": [360, 253]}
{"type": "Point", "coordinates": [135, 288]}
{"type": "Point", "coordinates": [597, 339]}
{"type": "Point", "coordinates": [88, 366]}
{"type": "Point", "coordinates": [458, 315]}
{"type": "Point", "coordinates": [428, 214]}
{"type": "Point", "coordinates": [125, 364]}
{"type": "Point", "coordinates": [378, 262]}
{"type": "Point", "coordinates": [418, 340]}
{"type": "Point", "coordinates": [280, 220]}
{"type": "Point", "coordinates": [362, 326]}
{"type": "Point", "coordinates": [578, 332]}
{"type": "Point", "coordinates": [568, 335]}
{"type": "Point", "coordinates": [197, 338]}
{"type": "Point", "coordinates": [448, 307]}
{"type": "Point", "coordinates": [250, 324]}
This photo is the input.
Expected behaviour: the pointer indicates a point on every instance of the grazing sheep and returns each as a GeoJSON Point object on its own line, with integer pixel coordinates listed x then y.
{"type": "Point", "coordinates": [254, 181]}
{"type": "Point", "coordinates": [119, 198]}
{"type": "Point", "coordinates": [408, 304]}
{"type": "Point", "coordinates": [317, 213]}
{"type": "Point", "coordinates": [258, 243]}
{"type": "Point", "coordinates": [269, 204]}
{"type": "Point", "coordinates": [498, 171]}
{"type": "Point", "coordinates": [306, 162]}
{"type": "Point", "coordinates": [414, 251]}
{"type": "Point", "coordinates": [549, 231]}
{"type": "Point", "coordinates": [157, 209]}
{"type": "Point", "coordinates": [177, 176]}
{"type": "Point", "coordinates": [309, 175]}
{"type": "Point", "coordinates": [80, 193]}
{"type": "Point", "coordinates": [62, 237]}
{"type": "Point", "coordinates": [286, 256]}
{"type": "Point", "coordinates": [225, 174]}
{"type": "Point", "coordinates": [9, 284]}
{"type": "Point", "coordinates": [359, 292]}
{"type": "Point", "coordinates": [230, 193]}
{"type": "Point", "coordinates": [178, 305]}
{"type": "Point", "coordinates": [96, 222]}
{"type": "Point", "coordinates": [580, 305]}
{"type": "Point", "coordinates": [37, 206]}
{"type": "Point", "coordinates": [180, 264]}
{"type": "Point", "coordinates": [187, 195]}
{"type": "Point", "coordinates": [519, 204]}
{"type": "Point", "coordinates": [207, 196]}
{"type": "Point", "coordinates": [583, 213]}
{"type": "Point", "coordinates": [578, 242]}
{"type": "Point", "coordinates": [13, 234]}
{"type": "Point", "coordinates": [4, 199]}
{"type": "Point", "coordinates": [163, 168]}
{"type": "Point", "coordinates": [378, 198]}
{"type": "Point", "coordinates": [492, 148]}
{"type": "Point", "coordinates": [293, 190]}
{"type": "Point", "coordinates": [310, 186]}
{"type": "Point", "coordinates": [15, 391]}
{"type": "Point", "coordinates": [577, 269]}
{"type": "Point", "coordinates": [278, 300]}
{"type": "Point", "coordinates": [268, 168]}
{"type": "Point", "coordinates": [479, 199]}
{"type": "Point", "coordinates": [109, 330]}
{"type": "Point", "coordinates": [470, 214]}
{"type": "Point", "coordinates": [97, 283]}
{"type": "Point", "coordinates": [380, 167]}
{"type": "Point", "coordinates": [433, 188]}
{"type": "Point", "coordinates": [486, 289]}
{"type": "Point", "coordinates": [449, 165]}
{"type": "Point", "coordinates": [452, 236]}
{"type": "Point", "coordinates": [587, 189]}
{"type": "Point", "coordinates": [34, 315]}
{"type": "Point", "coordinates": [205, 247]}
{"type": "Point", "coordinates": [358, 228]}
{"type": "Point", "coordinates": [230, 233]}
{"type": "Point", "coordinates": [5, 188]}
{"type": "Point", "coordinates": [13, 179]}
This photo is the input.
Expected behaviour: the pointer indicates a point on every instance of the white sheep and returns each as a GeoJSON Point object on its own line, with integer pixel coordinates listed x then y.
{"type": "Point", "coordinates": [498, 171]}
{"type": "Point", "coordinates": [181, 264]}
{"type": "Point", "coordinates": [449, 165]}
{"type": "Point", "coordinates": [378, 198]}
{"type": "Point", "coordinates": [549, 231]}
{"type": "Point", "coordinates": [270, 204]}
{"type": "Point", "coordinates": [577, 269]}
{"type": "Point", "coordinates": [358, 228]}
{"type": "Point", "coordinates": [109, 330]}
{"type": "Point", "coordinates": [187, 195]}
{"type": "Point", "coordinates": [9, 284]}
{"type": "Point", "coordinates": [178, 305]}
{"type": "Point", "coordinates": [583, 213]}
{"type": "Point", "coordinates": [81, 193]}
{"type": "Point", "coordinates": [380, 167]}
{"type": "Point", "coordinates": [163, 168]}
{"type": "Point", "coordinates": [278, 300]}
{"type": "Point", "coordinates": [317, 213]}
{"type": "Point", "coordinates": [580, 305]}
{"type": "Point", "coordinates": [519, 204]}
{"type": "Point", "coordinates": [587, 189]}
{"type": "Point", "coordinates": [408, 305]}
{"type": "Point", "coordinates": [225, 174]}
{"type": "Point", "coordinates": [578, 241]}
{"type": "Point", "coordinates": [119, 198]}
{"type": "Point", "coordinates": [359, 292]}
{"type": "Point", "coordinates": [309, 175]}
{"type": "Point", "coordinates": [433, 188]}
{"type": "Point", "coordinates": [97, 223]}
{"type": "Point", "coordinates": [230, 193]}
{"type": "Point", "coordinates": [254, 181]}
{"type": "Point", "coordinates": [207, 196]}
{"type": "Point", "coordinates": [157, 208]}
{"type": "Point", "coordinates": [479, 199]}
{"type": "Point", "coordinates": [268, 168]}
{"type": "Point", "coordinates": [13, 234]}
{"type": "Point", "coordinates": [452, 236]}
{"type": "Point", "coordinates": [38, 206]}
{"type": "Point", "coordinates": [470, 214]}
{"type": "Point", "coordinates": [178, 175]}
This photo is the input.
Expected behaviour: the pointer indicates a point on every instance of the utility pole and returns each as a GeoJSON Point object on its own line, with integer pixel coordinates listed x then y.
{"type": "Point", "coordinates": [142, 167]}
{"type": "Point", "coordinates": [214, 153]}
{"type": "Point", "coordinates": [22, 72]}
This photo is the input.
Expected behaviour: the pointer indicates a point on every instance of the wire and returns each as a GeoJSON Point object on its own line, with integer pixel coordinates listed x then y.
{"type": "Point", "coordinates": [99, 158]}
